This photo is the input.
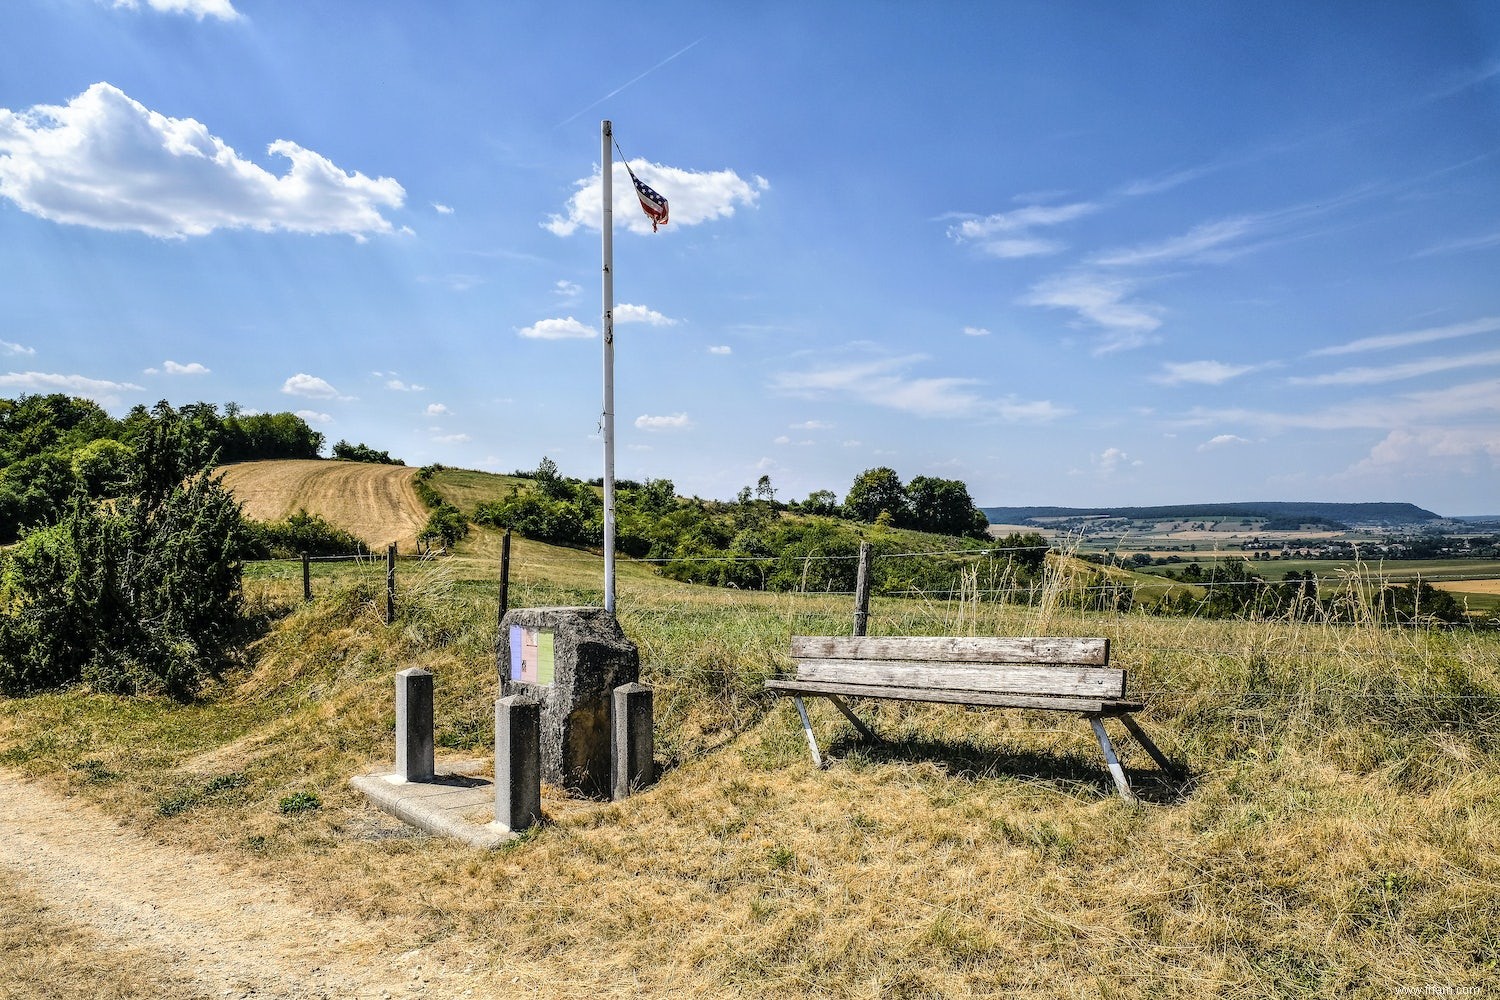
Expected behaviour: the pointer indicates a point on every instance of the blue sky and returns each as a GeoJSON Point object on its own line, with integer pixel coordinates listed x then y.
{"type": "Point", "coordinates": [1070, 253]}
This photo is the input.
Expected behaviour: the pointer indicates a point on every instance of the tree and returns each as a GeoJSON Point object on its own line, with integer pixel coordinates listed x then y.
{"type": "Point", "coordinates": [1028, 550]}
{"type": "Point", "coordinates": [944, 507]}
{"type": "Point", "coordinates": [821, 502]}
{"type": "Point", "coordinates": [875, 491]}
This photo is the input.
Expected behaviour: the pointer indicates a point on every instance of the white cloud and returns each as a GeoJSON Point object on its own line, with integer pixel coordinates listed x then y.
{"type": "Point", "coordinates": [173, 368]}
{"type": "Point", "coordinates": [100, 391]}
{"type": "Point", "coordinates": [310, 386]}
{"type": "Point", "coordinates": [1103, 301]}
{"type": "Point", "coordinates": [694, 197]}
{"type": "Point", "coordinates": [396, 385]}
{"type": "Point", "coordinates": [1205, 242]}
{"type": "Point", "coordinates": [452, 438]}
{"type": "Point", "coordinates": [1395, 373]}
{"type": "Point", "coordinates": [1411, 338]}
{"type": "Point", "coordinates": [812, 425]}
{"type": "Point", "coordinates": [1020, 220]}
{"type": "Point", "coordinates": [640, 314]}
{"type": "Point", "coordinates": [781, 439]}
{"type": "Point", "coordinates": [1008, 235]}
{"type": "Point", "coordinates": [976, 331]}
{"type": "Point", "coordinates": [1164, 182]}
{"type": "Point", "coordinates": [1424, 450]}
{"type": "Point", "coordinates": [1200, 372]}
{"type": "Point", "coordinates": [884, 382]}
{"type": "Point", "coordinates": [1222, 440]}
{"type": "Point", "coordinates": [567, 289]}
{"type": "Point", "coordinates": [721, 349]}
{"type": "Point", "coordinates": [106, 161]}
{"type": "Point", "coordinates": [442, 209]}
{"type": "Point", "coordinates": [1483, 242]}
{"type": "Point", "coordinates": [1025, 246]}
{"type": "Point", "coordinates": [437, 410]}
{"type": "Point", "coordinates": [200, 9]}
{"type": "Point", "coordinates": [314, 417]}
{"type": "Point", "coordinates": [1449, 406]}
{"type": "Point", "coordinates": [557, 329]}
{"type": "Point", "coordinates": [9, 348]}
{"type": "Point", "coordinates": [672, 422]}
{"type": "Point", "coordinates": [1112, 460]}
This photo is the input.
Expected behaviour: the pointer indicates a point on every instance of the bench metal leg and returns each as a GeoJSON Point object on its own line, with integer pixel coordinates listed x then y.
{"type": "Point", "coordinates": [1115, 769]}
{"type": "Point", "coordinates": [865, 730]}
{"type": "Point", "coordinates": [1145, 741]}
{"type": "Point", "coordinates": [812, 741]}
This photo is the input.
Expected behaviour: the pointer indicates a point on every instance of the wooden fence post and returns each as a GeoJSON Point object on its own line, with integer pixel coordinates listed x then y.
{"type": "Point", "coordinates": [390, 584]}
{"type": "Point", "coordinates": [862, 590]}
{"type": "Point", "coordinates": [504, 575]}
{"type": "Point", "coordinates": [306, 578]}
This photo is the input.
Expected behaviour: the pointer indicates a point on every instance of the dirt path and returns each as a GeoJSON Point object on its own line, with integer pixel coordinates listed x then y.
{"type": "Point", "coordinates": [221, 932]}
{"type": "Point", "coordinates": [375, 503]}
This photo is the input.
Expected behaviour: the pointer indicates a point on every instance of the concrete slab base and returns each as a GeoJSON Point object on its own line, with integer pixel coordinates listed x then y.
{"type": "Point", "coordinates": [457, 802]}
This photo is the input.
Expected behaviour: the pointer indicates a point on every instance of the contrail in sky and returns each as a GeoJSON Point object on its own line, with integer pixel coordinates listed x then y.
{"type": "Point", "coordinates": [622, 86]}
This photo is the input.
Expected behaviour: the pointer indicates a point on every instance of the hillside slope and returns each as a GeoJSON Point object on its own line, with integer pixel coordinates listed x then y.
{"type": "Point", "coordinates": [375, 503]}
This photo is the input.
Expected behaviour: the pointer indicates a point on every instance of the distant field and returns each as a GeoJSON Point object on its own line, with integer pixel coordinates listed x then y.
{"type": "Point", "coordinates": [1476, 582]}
{"type": "Point", "coordinates": [375, 503]}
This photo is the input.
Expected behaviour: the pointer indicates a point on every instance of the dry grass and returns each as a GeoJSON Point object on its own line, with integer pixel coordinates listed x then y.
{"type": "Point", "coordinates": [1340, 835]}
{"type": "Point", "coordinates": [375, 503]}
{"type": "Point", "coordinates": [47, 956]}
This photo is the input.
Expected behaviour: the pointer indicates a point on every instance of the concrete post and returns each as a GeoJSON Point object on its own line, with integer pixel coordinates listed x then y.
{"type": "Point", "coordinates": [518, 762]}
{"type": "Point", "coordinates": [414, 724]}
{"type": "Point", "coordinates": [634, 744]}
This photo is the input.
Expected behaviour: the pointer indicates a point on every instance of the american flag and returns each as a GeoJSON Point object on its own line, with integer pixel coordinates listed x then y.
{"type": "Point", "coordinates": [654, 204]}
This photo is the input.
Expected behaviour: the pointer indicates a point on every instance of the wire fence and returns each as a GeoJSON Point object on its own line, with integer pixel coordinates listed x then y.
{"type": "Point", "coordinates": [1286, 644]}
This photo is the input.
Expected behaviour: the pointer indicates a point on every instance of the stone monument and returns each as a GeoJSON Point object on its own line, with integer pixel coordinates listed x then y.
{"type": "Point", "coordinates": [570, 660]}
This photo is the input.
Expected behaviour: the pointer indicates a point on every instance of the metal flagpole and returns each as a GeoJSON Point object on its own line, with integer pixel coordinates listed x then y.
{"type": "Point", "coordinates": [607, 231]}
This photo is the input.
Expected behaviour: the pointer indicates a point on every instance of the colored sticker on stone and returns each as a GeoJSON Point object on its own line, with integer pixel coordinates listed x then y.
{"type": "Point", "coordinates": [532, 657]}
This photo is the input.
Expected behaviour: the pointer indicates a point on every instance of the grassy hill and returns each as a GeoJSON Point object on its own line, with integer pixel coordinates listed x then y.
{"type": "Point", "coordinates": [1340, 835]}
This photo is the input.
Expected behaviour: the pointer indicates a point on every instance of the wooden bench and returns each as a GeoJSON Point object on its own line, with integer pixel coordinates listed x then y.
{"type": "Point", "coordinates": [1055, 675]}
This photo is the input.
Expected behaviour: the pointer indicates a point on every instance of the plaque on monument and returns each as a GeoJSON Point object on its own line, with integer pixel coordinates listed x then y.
{"type": "Point", "coordinates": [533, 656]}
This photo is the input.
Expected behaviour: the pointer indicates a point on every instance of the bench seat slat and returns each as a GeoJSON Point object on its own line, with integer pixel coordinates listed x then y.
{"type": "Point", "coordinates": [992, 699]}
{"type": "Point", "coordinates": [1093, 682]}
{"type": "Point", "coordinates": [955, 649]}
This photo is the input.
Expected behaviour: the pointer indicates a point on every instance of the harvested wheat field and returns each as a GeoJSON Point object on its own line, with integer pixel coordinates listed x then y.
{"type": "Point", "coordinates": [375, 503]}
{"type": "Point", "coordinates": [1470, 586]}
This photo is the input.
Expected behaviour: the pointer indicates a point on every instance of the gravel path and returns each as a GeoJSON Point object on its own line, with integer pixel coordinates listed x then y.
{"type": "Point", "coordinates": [229, 934]}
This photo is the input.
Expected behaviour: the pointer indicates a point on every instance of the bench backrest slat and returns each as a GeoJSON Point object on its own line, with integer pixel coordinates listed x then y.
{"type": "Point", "coordinates": [1007, 678]}
{"type": "Point", "coordinates": [955, 649]}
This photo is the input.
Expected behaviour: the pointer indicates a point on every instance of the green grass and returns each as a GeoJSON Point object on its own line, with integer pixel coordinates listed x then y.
{"type": "Point", "coordinates": [467, 489]}
{"type": "Point", "coordinates": [1340, 834]}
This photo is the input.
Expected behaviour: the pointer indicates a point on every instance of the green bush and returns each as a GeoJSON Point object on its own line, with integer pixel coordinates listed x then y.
{"type": "Point", "coordinates": [140, 594]}
{"type": "Point", "coordinates": [299, 533]}
{"type": "Point", "coordinates": [447, 523]}
{"type": "Point", "coordinates": [363, 453]}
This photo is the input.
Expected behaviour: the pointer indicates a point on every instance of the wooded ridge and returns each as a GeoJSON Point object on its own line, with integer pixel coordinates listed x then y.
{"type": "Point", "coordinates": [1346, 513]}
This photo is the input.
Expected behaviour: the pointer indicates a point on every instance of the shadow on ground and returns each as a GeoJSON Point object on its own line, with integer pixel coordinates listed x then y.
{"type": "Point", "coordinates": [966, 761]}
